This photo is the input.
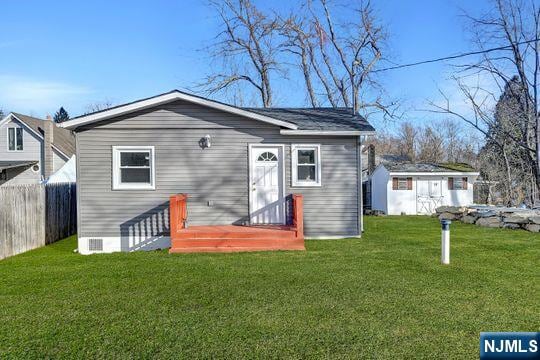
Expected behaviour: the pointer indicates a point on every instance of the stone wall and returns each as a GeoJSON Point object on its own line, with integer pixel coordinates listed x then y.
{"type": "Point", "coordinates": [495, 217]}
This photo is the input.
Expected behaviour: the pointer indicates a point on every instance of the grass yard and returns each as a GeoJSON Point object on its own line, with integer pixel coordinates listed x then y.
{"type": "Point", "coordinates": [383, 296]}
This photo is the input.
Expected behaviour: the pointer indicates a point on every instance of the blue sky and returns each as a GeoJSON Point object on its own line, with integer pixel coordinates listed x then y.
{"type": "Point", "coordinates": [68, 53]}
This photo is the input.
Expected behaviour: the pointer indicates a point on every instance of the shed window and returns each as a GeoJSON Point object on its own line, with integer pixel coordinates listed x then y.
{"type": "Point", "coordinates": [133, 168]}
{"type": "Point", "coordinates": [457, 183]}
{"type": "Point", "coordinates": [306, 165]}
{"type": "Point", "coordinates": [15, 139]}
{"type": "Point", "coordinates": [402, 183]}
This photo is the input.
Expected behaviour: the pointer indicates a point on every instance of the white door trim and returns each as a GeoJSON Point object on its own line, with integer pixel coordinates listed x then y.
{"type": "Point", "coordinates": [250, 170]}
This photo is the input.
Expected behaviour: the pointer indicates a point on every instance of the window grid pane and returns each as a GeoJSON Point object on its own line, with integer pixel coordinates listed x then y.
{"type": "Point", "coordinates": [135, 159]}
{"type": "Point", "coordinates": [133, 175]}
{"type": "Point", "coordinates": [306, 156]}
{"type": "Point", "coordinates": [307, 173]}
{"type": "Point", "coordinates": [19, 139]}
{"type": "Point", "coordinates": [11, 138]}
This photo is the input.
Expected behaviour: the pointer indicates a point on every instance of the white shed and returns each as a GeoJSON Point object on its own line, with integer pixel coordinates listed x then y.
{"type": "Point", "coordinates": [414, 188]}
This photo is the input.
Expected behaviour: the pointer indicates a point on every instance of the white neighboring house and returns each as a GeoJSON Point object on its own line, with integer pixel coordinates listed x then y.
{"type": "Point", "coordinates": [419, 188]}
{"type": "Point", "coordinates": [66, 174]}
{"type": "Point", "coordinates": [32, 149]}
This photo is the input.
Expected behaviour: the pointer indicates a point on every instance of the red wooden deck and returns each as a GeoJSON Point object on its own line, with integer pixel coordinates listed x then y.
{"type": "Point", "coordinates": [233, 238]}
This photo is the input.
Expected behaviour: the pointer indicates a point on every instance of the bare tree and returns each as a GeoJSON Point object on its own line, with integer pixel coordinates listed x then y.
{"type": "Point", "coordinates": [513, 27]}
{"type": "Point", "coordinates": [444, 143]}
{"type": "Point", "coordinates": [431, 146]}
{"type": "Point", "coordinates": [357, 53]}
{"type": "Point", "coordinates": [408, 138]}
{"type": "Point", "coordinates": [246, 50]}
{"type": "Point", "coordinates": [346, 53]}
{"type": "Point", "coordinates": [299, 42]}
{"type": "Point", "coordinates": [451, 133]}
{"type": "Point", "coordinates": [98, 106]}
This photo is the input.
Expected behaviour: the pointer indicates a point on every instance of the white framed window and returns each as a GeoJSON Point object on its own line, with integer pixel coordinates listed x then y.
{"type": "Point", "coordinates": [15, 139]}
{"type": "Point", "coordinates": [133, 168]}
{"type": "Point", "coordinates": [306, 165]}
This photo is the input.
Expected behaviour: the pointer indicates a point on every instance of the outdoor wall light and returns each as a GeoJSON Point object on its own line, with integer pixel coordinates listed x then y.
{"type": "Point", "coordinates": [205, 142]}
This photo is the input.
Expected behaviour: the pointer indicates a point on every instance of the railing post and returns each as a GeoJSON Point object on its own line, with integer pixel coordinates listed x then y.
{"type": "Point", "coordinates": [298, 215]}
{"type": "Point", "coordinates": [177, 212]}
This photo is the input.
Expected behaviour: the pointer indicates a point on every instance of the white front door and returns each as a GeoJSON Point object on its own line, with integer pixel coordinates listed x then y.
{"type": "Point", "coordinates": [266, 184]}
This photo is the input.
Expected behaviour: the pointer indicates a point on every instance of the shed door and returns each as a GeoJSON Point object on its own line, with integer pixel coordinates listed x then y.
{"type": "Point", "coordinates": [266, 185]}
{"type": "Point", "coordinates": [428, 195]}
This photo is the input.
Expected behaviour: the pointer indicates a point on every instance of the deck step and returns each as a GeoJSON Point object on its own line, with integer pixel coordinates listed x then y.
{"type": "Point", "coordinates": [231, 238]}
{"type": "Point", "coordinates": [191, 248]}
{"type": "Point", "coordinates": [235, 232]}
{"type": "Point", "coordinates": [234, 235]}
{"type": "Point", "coordinates": [217, 242]}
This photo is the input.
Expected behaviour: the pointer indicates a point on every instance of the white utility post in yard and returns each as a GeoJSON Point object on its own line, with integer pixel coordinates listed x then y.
{"type": "Point", "coordinates": [445, 241]}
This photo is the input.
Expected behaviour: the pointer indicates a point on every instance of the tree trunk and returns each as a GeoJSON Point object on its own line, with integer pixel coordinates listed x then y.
{"type": "Point", "coordinates": [537, 172]}
{"type": "Point", "coordinates": [508, 178]}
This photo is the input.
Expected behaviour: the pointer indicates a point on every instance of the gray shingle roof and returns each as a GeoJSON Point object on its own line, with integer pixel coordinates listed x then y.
{"type": "Point", "coordinates": [63, 139]}
{"type": "Point", "coordinates": [324, 119]}
{"type": "Point", "coordinates": [426, 167]}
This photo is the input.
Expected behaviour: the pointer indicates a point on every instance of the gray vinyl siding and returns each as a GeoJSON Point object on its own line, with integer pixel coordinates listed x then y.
{"type": "Point", "coordinates": [218, 174]}
{"type": "Point", "coordinates": [32, 146]}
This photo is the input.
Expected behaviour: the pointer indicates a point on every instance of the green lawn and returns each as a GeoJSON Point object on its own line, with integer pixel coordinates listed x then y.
{"type": "Point", "coordinates": [385, 295]}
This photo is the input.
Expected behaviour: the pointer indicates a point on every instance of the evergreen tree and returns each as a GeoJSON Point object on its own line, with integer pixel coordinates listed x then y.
{"type": "Point", "coordinates": [61, 115]}
{"type": "Point", "coordinates": [505, 162]}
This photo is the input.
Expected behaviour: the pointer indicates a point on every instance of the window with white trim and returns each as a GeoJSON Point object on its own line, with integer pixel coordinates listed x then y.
{"type": "Point", "coordinates": [15, 139]}
{"type": "Point", "coordinates": [306, 165]}
{"type": "Point", "coordinates": [133, 168]}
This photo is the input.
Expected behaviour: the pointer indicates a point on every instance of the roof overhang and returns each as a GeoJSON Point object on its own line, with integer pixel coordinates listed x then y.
{"type": "Point", "coordinates": [327, 132]}
{"type": "Point", "coordinates": [167, 98]}
{"type": "Point", "coordinates": [438, 173]}
{"type": "Point", "coordinates": [4, 165]}
{"type": "Point", "coordinates": [60, 152]}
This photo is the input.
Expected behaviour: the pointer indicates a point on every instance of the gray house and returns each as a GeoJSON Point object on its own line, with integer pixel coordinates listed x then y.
{"type": "Point", "coordinates": [32, 149]}
{"type": "Point", "coordinates": [236, 165]}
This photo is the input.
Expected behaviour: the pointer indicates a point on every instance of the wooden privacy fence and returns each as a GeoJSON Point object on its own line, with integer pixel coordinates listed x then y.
{"type": "Point", "coordinates": [32, 216]}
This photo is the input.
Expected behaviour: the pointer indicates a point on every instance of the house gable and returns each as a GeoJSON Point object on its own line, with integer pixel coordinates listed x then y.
{"type": "Point", "coordinates": [178, 114]}
{"type": "Point", "coordinates": [32, 141]}
{"type": "Point", "coordinates": [170, 97]}
{"type": "Point", "coordinates": [21, 172]}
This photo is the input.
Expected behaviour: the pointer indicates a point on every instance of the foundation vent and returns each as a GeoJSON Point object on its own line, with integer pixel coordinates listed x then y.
{"type": "Point", "coordinates": [95, 244]}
